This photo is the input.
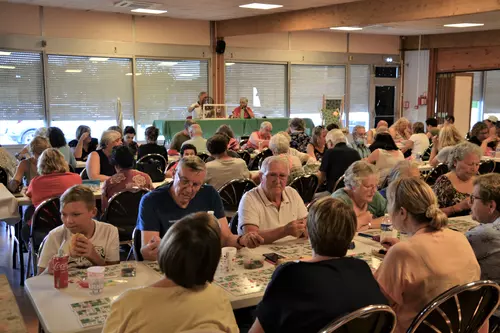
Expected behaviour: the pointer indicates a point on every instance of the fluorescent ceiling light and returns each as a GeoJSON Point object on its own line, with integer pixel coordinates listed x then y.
{"type": "Point", "coordinates": [463, 25]}
{"type": "Point", "coordinates": [7, 67]}
{"type": "Point", "coordinates": [167, 64]}
{"type": "Point", "coordinates": [186, 75]}
{"type": "Point", "coordinates": [347, 28]}
{"type": "Point", "coordinates": [229, 63]}
{"type": "Point", "coordinates": [260, 6]}
{"type": "Point", "coordinates": [98, 59]}
{"type": "Point", "coordinates": [148, 11]}
{"type": "Point", "coordinates": [5, 53]}
{"type": "Point", "coordinates": [136, 74]}
{"type": "Point", "coordinates": [73, 71]}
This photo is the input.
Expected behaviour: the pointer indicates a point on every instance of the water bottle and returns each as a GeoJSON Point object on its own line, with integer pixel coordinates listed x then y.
{"type": "Point", "coordinates": [497, 152]}
{"type": "Point", "coordinates": [385, 228]}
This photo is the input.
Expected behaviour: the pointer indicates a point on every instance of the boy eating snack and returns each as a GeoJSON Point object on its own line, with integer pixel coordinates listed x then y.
{"type": "Point", "coordinates": [88, 242]}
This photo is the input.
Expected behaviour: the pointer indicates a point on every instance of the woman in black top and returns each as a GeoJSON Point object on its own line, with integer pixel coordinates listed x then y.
{"type": "Point", "coordinates": [151, 147]}
{"type": "Point", "coordinates": [98, 164]}
{"type": "Point", "coordinates": [84, 143]}
{"type": "Point", "coordinates": [317, 147]}
{"type": "Point", "coordinates": [305, 296]}
{"type": "Point", "coordinates": [480, 135]}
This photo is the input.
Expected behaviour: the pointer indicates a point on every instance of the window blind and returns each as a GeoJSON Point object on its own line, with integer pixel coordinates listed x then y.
{"type": "Point", "coordinates": [308, 85]}
{"type": "Point", "coordinates": [87, 88]}
{"type": "Point", "coordinates": [359, 99]}
{"type": "Point", "coordinates": [491, 96]}
{"type": "Point", "coordinates": [166, 88]}
{"type": "Point", "coordinates": [263, 84]}
{"type": "Point", "coordinates": [21, 86]}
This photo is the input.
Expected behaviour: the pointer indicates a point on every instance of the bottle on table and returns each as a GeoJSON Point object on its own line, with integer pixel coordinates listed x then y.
{"type": "Point", "coordinates": [385, 228]}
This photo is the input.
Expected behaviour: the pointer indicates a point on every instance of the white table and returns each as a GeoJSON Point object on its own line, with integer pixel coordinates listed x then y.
{"type": "Point", "coordinates": [81, 164]}
{"type": "Point", "coordinates": [53, 306]}
{"type": "Point", "coordinates": [24, 200]}
{"type": "Point", "coordinates": [426, 167]}
{"type": "Point", "coordinates": [488, 158]}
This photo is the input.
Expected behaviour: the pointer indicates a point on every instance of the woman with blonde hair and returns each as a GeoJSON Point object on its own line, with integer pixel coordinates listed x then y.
{"type": "Point", "coordinates": [443, 144]}
{"type": "Point", "coordinates": [316, 148]}
{"type": "Point", "coordinates": [27, 169]}
{"type": "Point", "coordinates": [54, 178]}
{"type": "Point", "coordinates": [431, 261]}
{"type": "Point", "coordinates": [400, 131]}
{"type": "Point", "coordinates": [98, 164]}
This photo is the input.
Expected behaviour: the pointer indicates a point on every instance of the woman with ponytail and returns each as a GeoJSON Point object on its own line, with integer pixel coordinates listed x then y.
{"type": "Point", "coordinates": [431, 261]}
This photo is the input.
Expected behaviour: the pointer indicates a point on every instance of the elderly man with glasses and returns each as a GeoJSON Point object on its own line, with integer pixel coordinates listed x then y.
{"type": "Point", "coordinates": [272, 209]}
{"type": "Point", "coordinates": [359, 141]}
{"type": "Point", "coordinates": [187, 194]}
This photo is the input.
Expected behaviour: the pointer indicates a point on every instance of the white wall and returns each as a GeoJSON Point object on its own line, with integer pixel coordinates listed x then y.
{"type": "Point", "coordinates": [416, 78]}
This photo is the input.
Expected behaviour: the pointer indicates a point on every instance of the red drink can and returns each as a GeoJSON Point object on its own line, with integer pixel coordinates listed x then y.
{"type": "Point", "coordinates": [60, 265]}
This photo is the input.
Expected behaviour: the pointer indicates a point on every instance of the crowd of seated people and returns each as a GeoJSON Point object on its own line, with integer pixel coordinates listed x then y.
{"type": "Point", "coordinates": [176, 230]}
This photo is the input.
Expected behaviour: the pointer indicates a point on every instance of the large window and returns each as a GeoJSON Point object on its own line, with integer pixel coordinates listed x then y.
{"type": "Point", "coordinates": [166, 88]}
{"type": "Point", "coordinates": [477, 99]}
{"type": "Point", "coordinates": [308, 86]}
{"type": "Point", "coordinates": [21, 96]}
{"type": "Point", "coordinates": [359, 97]}
{"type": "Point", "coordinates": [263, 84]}
{"type": "Point", "coordinates": [85, 91]}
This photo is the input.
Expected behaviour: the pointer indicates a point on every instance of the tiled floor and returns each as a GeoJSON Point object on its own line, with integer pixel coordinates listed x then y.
{"type": "Point", "coordinates": [23, 301]}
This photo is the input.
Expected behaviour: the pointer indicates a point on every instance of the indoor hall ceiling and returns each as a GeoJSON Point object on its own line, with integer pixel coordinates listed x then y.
{"type": "Point", "coordinates": [209, 10]}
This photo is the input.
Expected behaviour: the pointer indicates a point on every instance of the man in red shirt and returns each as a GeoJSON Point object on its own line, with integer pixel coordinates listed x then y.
{"type": "Point", "coordinates": [247, 112]}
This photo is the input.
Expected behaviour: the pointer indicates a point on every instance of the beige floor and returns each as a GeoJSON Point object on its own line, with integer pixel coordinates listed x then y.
{"type": "Point", "coordinates": [23, 301]}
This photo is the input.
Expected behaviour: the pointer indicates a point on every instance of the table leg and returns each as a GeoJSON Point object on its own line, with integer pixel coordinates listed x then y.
{"type": "Point", "coordinates": [19, 242]}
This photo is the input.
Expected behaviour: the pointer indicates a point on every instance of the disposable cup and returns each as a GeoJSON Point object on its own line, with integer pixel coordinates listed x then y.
{"type": "Point", "coordinates": [95, 278]}
{"type": "Point", "coordinates": [227, 261]}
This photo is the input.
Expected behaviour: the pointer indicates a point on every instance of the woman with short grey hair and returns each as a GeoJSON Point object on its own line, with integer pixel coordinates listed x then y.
{"type": "Point", "coordinates": [98, 164]}
{"type": "Point", "coordinates": [360, 192]}
{"type": "Point", "coordinates": [287, 306]}
{"type": "Point", "coordinates": [453, 189]}
{"type": "Point", "coordinates": [333, 137]}
{"type": "Point", "coordinates": [280, 146]}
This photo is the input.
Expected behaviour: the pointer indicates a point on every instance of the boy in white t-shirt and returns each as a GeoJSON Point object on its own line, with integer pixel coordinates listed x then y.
{"type": "Point", "coordinates": [88, 242]}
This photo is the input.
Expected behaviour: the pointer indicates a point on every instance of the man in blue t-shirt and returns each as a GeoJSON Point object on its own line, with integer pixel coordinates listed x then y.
{"type": "Point", "coordinates": [166, 205]}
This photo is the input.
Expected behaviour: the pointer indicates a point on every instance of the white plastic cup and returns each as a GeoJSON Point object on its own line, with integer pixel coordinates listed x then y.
{"type": "Point", "coordinates": [95, 278]}
{"type": "Point", "coordinates": [227, 261]}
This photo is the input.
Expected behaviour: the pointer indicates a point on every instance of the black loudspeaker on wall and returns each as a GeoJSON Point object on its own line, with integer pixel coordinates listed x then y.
{"type": "Point", "coordinates": [220, 48]}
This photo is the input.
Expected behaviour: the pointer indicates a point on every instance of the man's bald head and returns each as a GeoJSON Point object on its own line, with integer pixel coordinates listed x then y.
{"type": "Point", "coordinates": [382, 123]}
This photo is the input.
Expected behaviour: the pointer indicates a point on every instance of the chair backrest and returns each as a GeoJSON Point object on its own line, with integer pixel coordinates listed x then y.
{"type": "Point", "coordinates": [233, 225]}
{"type": "Point", "coordinates": [461, 309]}
{"type": "Point", "coordinates": [84, 175]}
{"type": "Point", "coordinates": [123, 209]}
{"type": "Point", "coordinates": [487, 167]}
{"type": "Point", "coordinates": [245, 156]}
{"type": "Point", "coordinates": [46, 217]}
{"type": "Point", "coordinates": [204, 157]}
{"type": "Point", "coordinates": [3, 176]}
{"type": "Point", "coordinates": [339, 183]}
{"type": "Point", "coordinates": [435, 173]}
{"type": "Point", "coordinates": [243, 142]}
{"type": "Point", "coordinates": [154, 157]}
{"type": "Point", "coordinates": [137, 244]}
{"type": "Point", "coordinates": [370, 319]}
{"type": "Point", "coordinates": [71, 169]}
{"type": "Point", "coordinates": [232, 192]}
{"type": "Point", "coordinates": [427, 153]}
{"type": "Point", "coordinates": [306, 185]}
{"type": "Point", "coordinates": [171, 165]}
{"type": "Point", "coordinates": [259, 158]}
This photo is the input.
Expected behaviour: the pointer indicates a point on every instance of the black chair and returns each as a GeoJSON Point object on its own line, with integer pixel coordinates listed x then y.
{"type": "Point", "coordinates": [461, 309]}
{"type": "Point", "coordinates": [435, 173]}
{"type": "Point", "coordinates": [122, 212]}
{"type": "Point", "coordinates": [306, 185]}
{"type": "Point", "coordinates": [245, 156]}
{"type": "Point", "coordinates": [233, 225]}
{"type": "Point", "coordinates": [155, 157]}
{"type": "Point", "coordinates": [204, 157]}
{"type": "Point", "coordinates": [427, 153]}
{"type": "Point", "coordinates": [243, 142]}
{"type": "Point", "coordinates": [71, 169]}
{"type": "Point", "coordinates": [370, 319]}
{"type": "Point", "coordinates": [339, 183]}
{"type": "Point", "coordinates": [487, 167]}
{"type": "Point", "coordinates": [84, 175]}
{"type": "Point", "coordinates": [232, 192]}
{"type": "Point", "coordinates": [45, 218]}
{"type": "Point", "coordinates": [137, 244]}
{"type": "Point", "coordinates": [257, 161]}
{"type": "Point", "coordinates": [3, 176]}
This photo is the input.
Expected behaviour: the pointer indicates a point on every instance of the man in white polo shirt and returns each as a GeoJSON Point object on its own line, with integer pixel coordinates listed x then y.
{"type": "Point", "coordinates": [272, 209]}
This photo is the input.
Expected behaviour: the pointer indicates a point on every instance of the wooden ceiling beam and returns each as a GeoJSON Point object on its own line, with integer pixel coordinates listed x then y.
{"type": "Point", "coordinates": [459, 39]}
{"type": "Point", "coordinates": [359, 13]}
